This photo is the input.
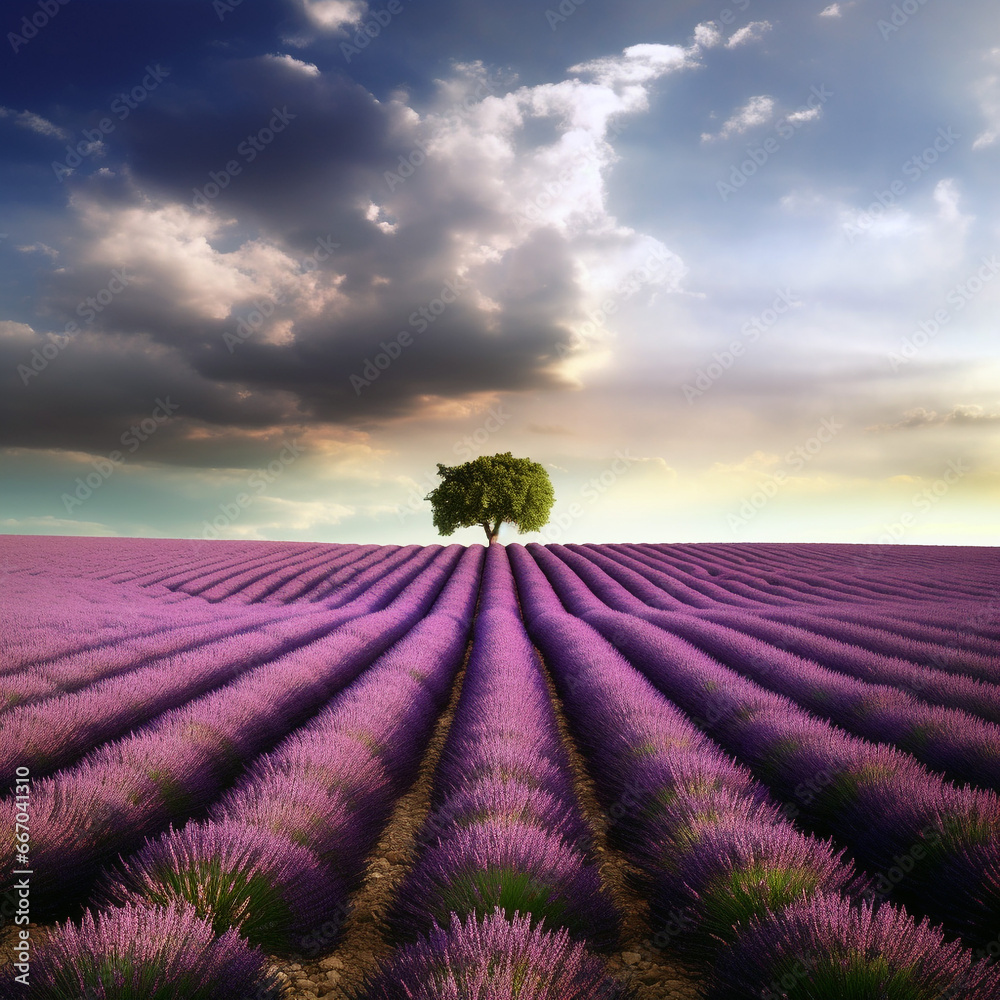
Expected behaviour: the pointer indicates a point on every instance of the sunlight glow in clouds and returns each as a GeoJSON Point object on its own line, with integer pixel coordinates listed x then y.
{"type": "Point", "coordinates": [333, 14]}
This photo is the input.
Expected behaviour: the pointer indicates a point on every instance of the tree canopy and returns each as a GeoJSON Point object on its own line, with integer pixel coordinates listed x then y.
{"type": "Point", "coordinates": [490, 490]}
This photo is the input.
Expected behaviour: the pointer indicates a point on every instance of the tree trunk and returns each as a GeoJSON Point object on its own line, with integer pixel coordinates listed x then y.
{"type": "Point", "coordinates": [491, 533]}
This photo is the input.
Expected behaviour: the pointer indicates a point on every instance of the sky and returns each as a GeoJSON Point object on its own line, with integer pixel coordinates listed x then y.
{"type": "Point", "coordinates": [727, 271]}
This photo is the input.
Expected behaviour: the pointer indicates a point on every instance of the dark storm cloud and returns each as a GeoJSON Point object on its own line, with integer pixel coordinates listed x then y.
{"type": "Point", "coordinates": [406, 293]}
{"type": "Point", "coordinates": [306, 144]}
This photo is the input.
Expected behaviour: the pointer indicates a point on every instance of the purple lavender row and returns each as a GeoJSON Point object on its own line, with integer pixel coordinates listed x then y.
{"type": "Point", "coordinates": [877, 800]}
{"type": "Point", "coordinates": [174, 562]}
{"type": "Point", "coordinates": [177, 574]}
{"type": "Point", "coordinates": [250, 572]}
{"type": "Point", "coordinates": [976, 657]}
{"type": "Point", "coordinates": [661, 564]}
{"type": "Point", "coordinates": [961, 745]}
{"type": "Point", "coordinates": [51, 734]}
{"type": "Point", "coordinates": [55, 732]}
{"type": "Point", "coordinates": [266, 585]}
{"type": "Point", "coordinates": [508, 828]}
{"type": "Point", "coordinates": [335, 591]}
{"type": "Point", "coordinates": [972, 626]}
{"type": "Point", "coordinates": [746, 587]}
{"type": "Point", "coordinates": [506, 862]}
{"type": "Point", "coordinates": [229, 583]}
{"type": "Point", "coordinates": [848, 581]}
{"type": "Point", "coordinates": [935, 686]}
{"type": "Point", "coordinates": [89, 614]}
{"type": "Point", "coordinates": [283, 848]}
{"type": "Point", "coordinates": [872, 640]}
{"type": "Point", "coordinates": [69, 673]}
{"type": "Point", "coordinates": [945, 641]}
{"type": "Point", "coordinates": [496, 957]}
{"type": "Point", "coordinates": [298, 588]}
{"type": "Point", "coordinates": [332, 555]}
{"type": "Point", "coordinates": [342, 574]}
{"type": "Point", "coordinates": [135, 558]}
{"type": "Point", "coordinates": [724, 564]}
{"type": "Point", "coordinates": [920, 565]}
{"type": "Point", "coordinates": [668, 566]}
{"type": "Point", "coordinates": [135, 617]}
{"type": "Point", "coordinates": [368, 591]}
{"type": "Point", "coordinates": [904, 576]}
{"type": "Point", "coordinates": [353, 578]}
{"type": "Point", "coordinates": [219, 583]}
{"type": "Point", "coordinates": [177, 764]}
{"type": "Point", "coordinates": [167, 953]}
{"type": "Point", "coordinates": [911, 566]}
{"type": "Point", "coordinates": [823, 594]}
{"type": "Point", "coordinates": [716, 855]}
{"type": "Point", "coordinates": [785, 586]}
{"type": "Point", "coordinates": [656, 772]}
{"type": "Point", "coordinates": [366, 741]}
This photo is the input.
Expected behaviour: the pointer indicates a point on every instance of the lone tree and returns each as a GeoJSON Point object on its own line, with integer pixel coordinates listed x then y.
{"type": "Point", "coordinates": [490, 490]}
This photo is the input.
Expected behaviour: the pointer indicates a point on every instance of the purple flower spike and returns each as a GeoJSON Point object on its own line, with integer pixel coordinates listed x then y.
{"type": "Point", "coordinates": [163, 953]}
{"type": "Point", "coordinates": [329, 825]}
{"type": "Point", "coordinates": [496, 958]}
{"type": "Point", "coordinates": [509, 802]}
{"type": "Point", "coordinates": [825, 947]}
{"type": "Point", "coordinates": [274, 892]}
{"type": "Point", "coordinates": [725, 873]}
{"type": "Point", "coordinates": [511, 865]}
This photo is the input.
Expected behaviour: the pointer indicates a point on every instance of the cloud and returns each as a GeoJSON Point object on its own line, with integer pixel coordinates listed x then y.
{"type": "Point", "coordinates": [331, 15]}
{"type": "Point", "coordinates": [752, 32]}
{"type": "Point", "coordinates": [48, 525]}
{"type": "Point", "coordinates": [707, 34]}
{"type": "Point", "coordinates": [988, 94]}
{"type": "Point", "coordinates": [962, 414]}
{"type": "Point", "coordinates": [550, 429]}
{"type": "Point", "coordinates": [805, 115]}
{"type": "Point", "coordinates": [757, 111]}
{"type": "Point", "coordinates": [480, 230]}
{"type": "Point", "coordinates": [638, 64]}
{"type": "Point", "coordinates": [832, 11]}
{"type": "Point", "coordinates": [293, 64]}
{"type": "Point", "coordinates": [42, 248]}
{"type": "Point", "coordinates": [35, 123]}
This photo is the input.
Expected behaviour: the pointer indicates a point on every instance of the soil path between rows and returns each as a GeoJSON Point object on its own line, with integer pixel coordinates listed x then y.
{"type": "Point", "coordinates": [361, 947]}
{"type": "Point", "coordinates": [654, 974]}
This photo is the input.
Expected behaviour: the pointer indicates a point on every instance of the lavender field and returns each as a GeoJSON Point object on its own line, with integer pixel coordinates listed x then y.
{"type": "Point", "coordinates": [270, 769]}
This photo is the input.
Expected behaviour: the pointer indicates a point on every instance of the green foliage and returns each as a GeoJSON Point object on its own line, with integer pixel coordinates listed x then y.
{"type": "Point", "coordinates": [489, 491]}
{"type": "Point", "coordinates": [861, 977]}
{"type": "Point", "coordinates": [742, 894]}
{"type": "Point", "coordinates": [228, 897]}
{"type": "Point", "coordinates": [480, 892]}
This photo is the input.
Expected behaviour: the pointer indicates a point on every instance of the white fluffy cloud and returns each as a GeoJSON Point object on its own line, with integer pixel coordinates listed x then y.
{"type": "Point", "coordinates": [330, 15]}
{"type": "Point", "coordinates": [757, 111]}
{"type": "Point", "coordinates": [293, 64]}
{"type": "Point", "coordinates": [988, 94]}
{"type": "Point", "coordinates": [34, 123]}
{"type": "Point", "coordinates": [556, 185]}
{"type": "Point", "coordinates": [752, 32]}
{"type": "Point", "coordinates": [707, 34]}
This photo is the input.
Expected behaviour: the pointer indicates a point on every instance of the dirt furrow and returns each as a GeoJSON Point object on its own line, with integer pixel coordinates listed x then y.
{"type": "Point", "coordinates": [654, 973]}
{"type": "Point", "coordinates": [361, 948]}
